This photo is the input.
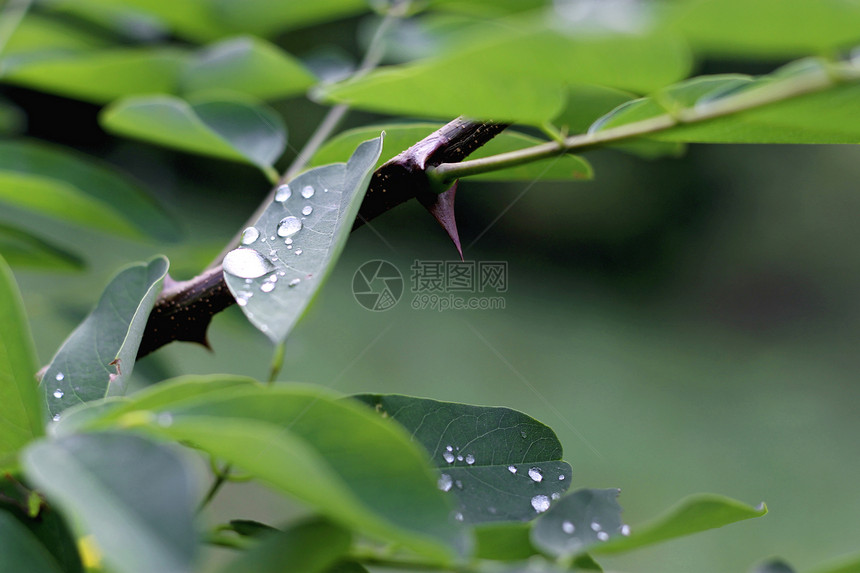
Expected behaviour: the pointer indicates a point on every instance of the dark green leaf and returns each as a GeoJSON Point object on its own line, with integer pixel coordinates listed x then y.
{"type": "Point", "coordinates": [98, 76]}
{"type": "Point", "coordinates": [97, 358]}
{"type": "Point", "coordinates": [774, 566]}
{"type": "Point", "coordinates": [226, 128]}
{"type": "Point", "coordinates": [692, 515]}
{"type": "Point", "coordinates": [294, 244]}
{"type": "Point", "coordinates": [347, 567]}
{"type": "Point", "coordinates": [21, 417]}
{"type": "Point", "coordinates": [23, 249]}
{"type": "Point", "coordinates": [135, 496]}
{"type": "Point", "coordinates": [579, 522]}
{"type": "Point", "coordinates": [251, 528]}
{"type": "Point", "coordinates": [20, 550]}
{"type": "Point", "coordinates": [266, 17]}
{"type": "Point", "coordinates": [13, 119]}
{"type": "Point", "coordinates": [399, 137]}
{"type": "Point", "coordinates": [246, 65]}
{"type": "Point", "coordinates": [504, 541]}
{"type": "Point", "coordinates": [498, 464]}
{"type": "Point", "coordinates": [307, 547]}
{"type": "Point", "coordinates": [125, 201]}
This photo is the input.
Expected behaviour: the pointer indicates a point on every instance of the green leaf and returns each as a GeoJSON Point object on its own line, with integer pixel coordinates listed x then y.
{"type": "Point", "coordinates": [586, 103]}
{"type": "Point", "coordinates": [35, 33]}
{"type": "Point", "coordinates": [497, 463]}
{"type": "Point", "coordinates": [273, 281]}
{"type": "Point", "coordinates": [774, 566]}
{"type": "Point", "coordinates": [267, 17]}
{"type": "Point", "coordinates": [20, 550]}
{"type": "Point", "coordinates": [399, 137]}
{"type": "Point", "coordinates": [127, 203]}
{"type": "Point", "coordinates": [24, 249]}
{"type": "Point", "coordinates": [692, 515]}
{"type": "Point", "coordinates": [579, 523]}
{"type": "Point", "coordinates": [247, 65]}
{"type": "Point", "coordinates": [309, 547]}
{"type": "Point", "coordinates": [793, 27]}
{"type": "Point", "coordinates": [332, 454]}
{"type": "Point", "coordinates": [846, 565]}
{"type": "Point", "coordinates": [225, 128]}
{"type": "Point", "coordinates": [21, 418]}
{"type": "Point", "coordinates": [135, 496]}
{"type": "Point", "coordinates": [504, 541]}
{"type": "Point", "coordinates": [97, 358]}
{"type": "Point", "coordinates": [98, 76]}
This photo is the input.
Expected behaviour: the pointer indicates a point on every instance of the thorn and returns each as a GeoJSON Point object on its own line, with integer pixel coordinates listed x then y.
{"type": "Point", "coordinates": [441, 206]}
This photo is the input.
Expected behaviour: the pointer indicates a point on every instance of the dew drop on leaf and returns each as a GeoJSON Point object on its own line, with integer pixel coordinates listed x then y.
{"type": "Point", "coordinates": [250, 235]}
{"type": "Point", "coordinates": [267, 287]}
{"type": "Point", "coordinates": [625, 530]}
{"type": "Point", "coordinates": [540, 503]}
{"type": "Point", "coordinates": [283, 193]}
{"type": "Point", "coordinates": [299, 251]}
{"type": "Point", "coordinates": [568, 527]}
{"type": "Point", "coordinates": [536, 474]}
{"type": "Point", "coordinates": [458, 516]}
{"type": "Point", "coordinates": [512, 469]}
{"type": "Point", "coordinates": [59, 376]}
{"type": "Point", "coordinates": [560, 477]}
{"type": "Point", "coordinates": [307, 191]}
{"type": "Point", "coordinates": [470, 459]}
{"type": "Point", "coordinates": [449, 457]}
{"type": "Point", "coordinates": [307, 210]}
{"type": "Point", "coordinates": [523, 434]}
{"type": "Point", "coordinates": [247, 263]}
{"type": "Point", "coordinates": [288, 241]}
{"type": "Point", "coordinates": [556, 496]}
{"type": "Point", "coordinates": [445, 482]}
{"type": "Point", "coordinates": [603, 536]}
{"type": "Point", "coordinates": [459, 458]}
{"type": "Point", "coordinates": [56, 417]}
{"type": "Point", "coordinates": [595, 526]}
{"type": "Point", "coordinates": [289, 226]}
{"type": "Point", "coordinates": [294, 282]}
{"type": "Point", "coordinates": [58, 393]}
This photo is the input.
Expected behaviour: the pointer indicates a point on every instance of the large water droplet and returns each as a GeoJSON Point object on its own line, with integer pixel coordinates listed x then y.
{"type": "Point", "coordinates": [294, 282]}
{"type": "Point", "coordinates": [512, 469]}
{"type": "Point", "coordinates": [603, 536]}
{"type": "Point", "coordinates": [307, 210]}
{"type": "Point", "coordinates": [449, 457]}
{"type": "Point", "coordinates": [560, 477]}
{"type": "Point", "coordinates": [568, 527]}
{"type": "Point", "coordinates": [58, 393]}
{"type": "Point", "coordinates": [289, 226]}
{"type": "Point", "coordinates": [307, 191]}
{"type": "Point", "coordinates": [540, 503]}
{"type": "Point", "coordinates": [59, 376]}
{"type": "Point", "coordinates": [470, 459]}
{"type": "Point", "coordinates": [445, 482]}
{"type": "Point", "coordinates": [247, 263]}
{"type": "Point", "coordinates": [250, 235]}
{"type": "Point", "coordinates": [283, 193]}
{"type": "Point", "coordinates": [625, 530]}
{"type": "Point", "coordinates": [536, 474]}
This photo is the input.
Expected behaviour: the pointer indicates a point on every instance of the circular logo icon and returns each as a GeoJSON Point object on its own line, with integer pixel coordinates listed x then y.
{"type": "Point", "coordinates": [377, 285]}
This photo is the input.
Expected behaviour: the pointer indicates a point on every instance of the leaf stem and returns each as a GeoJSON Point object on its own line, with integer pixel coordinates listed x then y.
{"type": "Point", "coordinates": [221, 477]}
{"type": "Point", "coordinates": [778, 91]}
{"type": "Point", "coordinates": [277, 363]}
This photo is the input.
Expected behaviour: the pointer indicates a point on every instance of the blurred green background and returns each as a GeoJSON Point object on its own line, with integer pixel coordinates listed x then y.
{"type": "Point", "coordinates": [685, 325]}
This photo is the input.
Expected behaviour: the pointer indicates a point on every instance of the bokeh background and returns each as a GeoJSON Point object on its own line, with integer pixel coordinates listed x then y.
{"type": "Point", "coordinates": [684, 324]}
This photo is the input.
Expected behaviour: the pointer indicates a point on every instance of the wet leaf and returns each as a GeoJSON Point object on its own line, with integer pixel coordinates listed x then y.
{"type": "Point", "coordinates": [579, 523]}
{"type": "Point", "coordinates": [135, 496]}
{"type": "Point", "coordinates": [498, 464]}
{"type": "Point", "coordinates": [289, 251]}
{"type": "Point", "coordinates": [97, 358]}
{"type": "Point", "coordinates": [21, 417]}
{"type": "Point", "coordinates": [225, 128]}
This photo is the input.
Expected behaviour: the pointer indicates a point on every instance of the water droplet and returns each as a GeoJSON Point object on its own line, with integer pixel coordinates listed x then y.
{"type": "Point", "coordinates": [281, 273]}
{"type": "Point", "coordinates": [470, 459]}
{"type": "Point", "coordinates": [267, 287]}
{"type": "Point", "coordinates": [59, 376]}
{"type": "Point", "coordinates": [568, 527]}
{"type": "Point", "coordinates": [595, 526]}
{"type": "Point", "coordinates": [250, 235]}
{"type": "Point", "coordinates": [556, 496]}
{"type": "Point", "coordinates": [289, 247]}
{"type": "Point", "coordinates": [603, 536]}
{"type": "Point", "coordinates": [459, 458]}
{"type": "Point", "coordinates": [283, 193]}
{"type": "Point", "coordinates": [165, 419]}
{"type": "Point", "coordinates": [307, 191]}
{"type": "Point", "coordinates": [523, 434]}
{"type": "Point", "coordinates": [58, 393]}
{"type": "Point", "coordinates": [512, 469]}
{"type": "Point", "coordinates": [288, 241]}
{"type": "Point", "coordinates": [325, 190]}
{"type": "Point", "coordinates": [458, 516]}
{"type": "Point", "coordinates": [55, 417]}
{"type": "Point", "coordinates": [449, 457]}
{"type": "Point", "coordinates": [449, 448]}
{"type": "Point", "coordinates": [560, 477]}
{"type": "Point", "coordinates": [458, 484]}
{"type": "Point", "coordinates": [294, 282]}
{"type": "Point", "coordinates": [299, 251]}
{"type": "Point", "coordinates": [307, 210]}
{"type": "Point", "coordinates": [247, 263]}
{"type": "Point", "coordinates": [536, 474]}
{"type": "Point", "coordinates": [445, 482]}
{"type": "Point", "coordinates": [272, 237]}
{"type": "Point", "coordinates": [625, 530]}
{"type": "Point", "coordinates": [289, 226]}
{"type": "Point", "coordinates": [540, 503]}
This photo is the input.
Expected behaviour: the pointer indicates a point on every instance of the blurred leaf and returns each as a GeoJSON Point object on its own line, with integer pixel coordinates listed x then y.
{"type": "Point", "coordinates": [23, 249]}
{"type": "Point", "coordinates": [36, 33]}
{"type": "Point", "coordinates": [125, 200]}
{"type": "Point", "coordinates": [401, 136]}
{"type": "Point", "coordinates": [768, 28]}
{"type": "Point", "coordinates": [246, 65]}
{"type": "Point", "coordinates": [586, 103]}
{"type": "Point", "coordinates": [251, 528]}
{"type": "Point", "coordinates": [847, 565]}
{"type": "Point", "coordinates": [499, 464]}
{"type": "Point", "coordinates": [293, 246]}
{"type": "Point", "coordinates": [13, 120]}
{"type": "Point", "coordinates": [98, 76]}
{"type": "Point", "coordinates": [224, 128]}
{"type": "Point", "coordinates": [692, 515]}
{"type": "Point", "coordinates": [774, 566]}
{"type": "Point", "coordinates": [347, 567]}
{"type": "Point", "coordinates": [504, 541]}
{"type": "Point", "coordinates": [98, 357]}
{"type": "Point", "coordinates": [21, 418]}
{"type": "Point", "coordinates": [579, 522]}
{"type": "Point", "coordinates": [267, 17]}
{"type": "Point", "coordinates": [135, 496]}
{"type": "Point", "coordinates": [307, 547]}
{"type": "Point", "coordinates": [331, 454]}
{"type": "Point", "coordinates": [519, 75]}
{"type": "Point", "coordinates": [21, 551]}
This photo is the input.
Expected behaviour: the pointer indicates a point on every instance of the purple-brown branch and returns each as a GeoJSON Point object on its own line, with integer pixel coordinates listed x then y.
{"type": "Point", "coordinates": [184, 310]}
